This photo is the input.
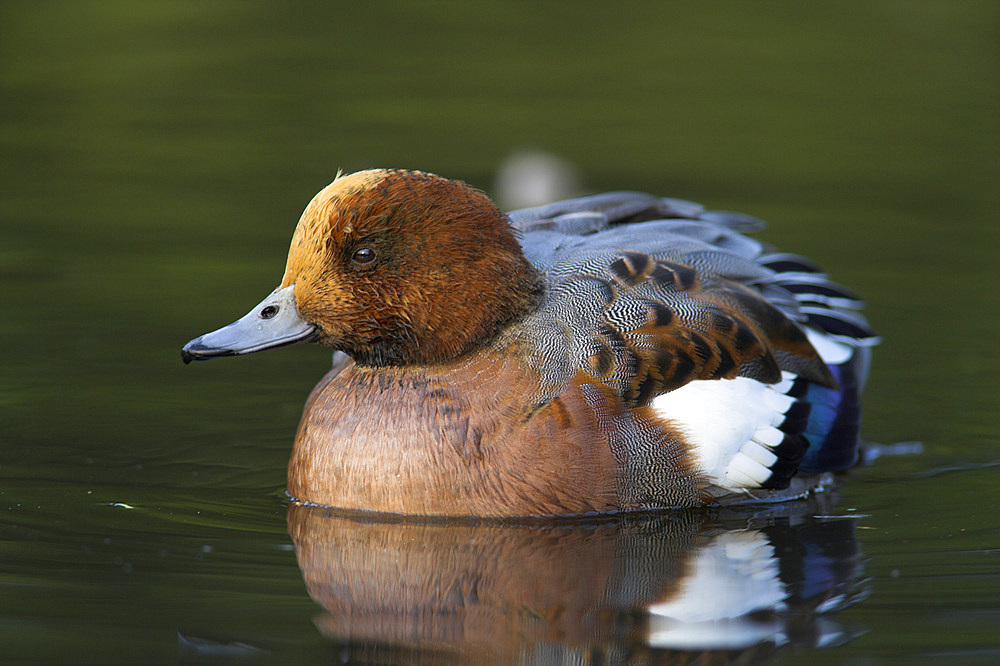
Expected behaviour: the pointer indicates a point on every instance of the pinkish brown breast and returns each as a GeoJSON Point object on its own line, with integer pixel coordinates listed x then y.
{"type": "Point", "coordinates": [463, 440]}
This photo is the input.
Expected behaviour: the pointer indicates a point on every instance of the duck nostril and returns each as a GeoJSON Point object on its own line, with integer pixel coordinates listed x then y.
{"type": "Point", "coordinates": [269, 311]}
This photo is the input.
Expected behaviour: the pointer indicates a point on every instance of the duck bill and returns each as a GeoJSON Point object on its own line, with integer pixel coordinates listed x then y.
{"type": "Point", "coordinates": [273, 323]}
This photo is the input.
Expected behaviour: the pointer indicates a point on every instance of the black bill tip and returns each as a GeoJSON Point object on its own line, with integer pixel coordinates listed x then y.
{"type": "Point", "coordinates": [195, 351]}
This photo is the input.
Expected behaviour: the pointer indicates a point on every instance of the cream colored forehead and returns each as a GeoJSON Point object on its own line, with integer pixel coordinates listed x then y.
{"type": "Point", "coordinates": [316, 223]}
{"type": "Point", "coordinates": [341, 187]}
{"type": "Point", "coordinates": [352, 183]}
{"type": "Point", "coordinates": [318, 213]}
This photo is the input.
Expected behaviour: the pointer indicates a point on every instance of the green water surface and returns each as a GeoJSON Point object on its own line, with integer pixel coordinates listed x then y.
{"type": "Point", "coordinates": [155, 156]}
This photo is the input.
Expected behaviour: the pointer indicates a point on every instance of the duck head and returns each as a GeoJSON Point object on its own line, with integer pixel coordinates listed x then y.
{"type": "Point", "coordinates": [392, 267]}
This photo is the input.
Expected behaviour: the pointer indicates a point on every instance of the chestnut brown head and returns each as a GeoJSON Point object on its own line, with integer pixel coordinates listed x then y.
{"type": "Point", "coordinates": [399, 267]}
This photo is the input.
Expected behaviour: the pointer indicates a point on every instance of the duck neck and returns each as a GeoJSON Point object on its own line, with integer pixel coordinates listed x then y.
{"type": "Point", "coordinates": [435, 335]}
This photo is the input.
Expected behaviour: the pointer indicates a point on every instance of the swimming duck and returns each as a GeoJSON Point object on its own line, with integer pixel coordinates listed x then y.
{"type": "Point", "coordinates": [609, 353]}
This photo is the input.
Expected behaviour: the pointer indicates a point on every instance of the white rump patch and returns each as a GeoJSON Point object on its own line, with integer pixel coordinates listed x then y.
{"type": "Point", "coordinates": [731, 425]}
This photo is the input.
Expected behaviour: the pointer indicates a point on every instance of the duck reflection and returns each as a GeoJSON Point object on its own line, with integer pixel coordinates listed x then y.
{"type": "Point", "coordinates": [670, 587]}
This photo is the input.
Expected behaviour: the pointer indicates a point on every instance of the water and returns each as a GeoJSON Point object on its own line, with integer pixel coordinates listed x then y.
{"type": "Point", "coordinates": [155, 160]}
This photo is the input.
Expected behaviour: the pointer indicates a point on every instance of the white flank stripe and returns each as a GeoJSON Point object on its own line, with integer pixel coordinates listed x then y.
{"type": "Point", "coordinates": [730, 424]}
{"type": "Point", "coordinates": [768, 436]}
{"type": "Point", "coordinates": [746, 472]}
{"type": "Point", "coordinates": [761, 454]}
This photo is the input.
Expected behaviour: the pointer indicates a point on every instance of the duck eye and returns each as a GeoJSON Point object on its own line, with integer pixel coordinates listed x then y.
{"type": "Point", "coordinates": [363, 256]}
{"type": "Point", "coordinates": [268, 311]}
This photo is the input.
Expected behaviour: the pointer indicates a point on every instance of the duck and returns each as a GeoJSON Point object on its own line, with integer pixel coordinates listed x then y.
{"type": "Point", "coordinates": [606, 354]}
